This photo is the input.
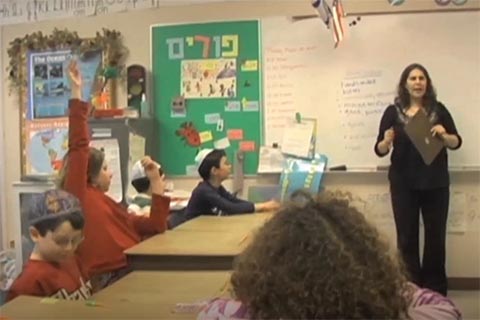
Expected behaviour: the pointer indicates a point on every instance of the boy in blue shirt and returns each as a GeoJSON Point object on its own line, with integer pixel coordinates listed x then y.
{"type": "Point", "coordinates": [211, 198]}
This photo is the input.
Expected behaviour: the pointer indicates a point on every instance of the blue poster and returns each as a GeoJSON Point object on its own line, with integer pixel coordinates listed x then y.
{"type": "Point", "coordinates": [302, 174]}
{"type": "Point", "coordinates": [48, 85]}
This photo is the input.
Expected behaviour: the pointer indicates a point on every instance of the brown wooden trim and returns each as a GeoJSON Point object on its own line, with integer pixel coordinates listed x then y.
{"type": "Point", "coordinates": [461, 283]}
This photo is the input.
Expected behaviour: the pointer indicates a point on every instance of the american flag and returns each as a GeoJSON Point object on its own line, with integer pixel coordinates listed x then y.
{"type": "Point", "coordinates": [337, 21]}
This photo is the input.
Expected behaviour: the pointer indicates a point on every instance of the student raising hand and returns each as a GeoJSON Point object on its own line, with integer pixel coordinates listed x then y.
{"type": "Point", "coordinates": [75, 78]}
{"type": "Point", "coordinates": [157, 179]}
{"type": "Point", "coordinates": [109, 229]}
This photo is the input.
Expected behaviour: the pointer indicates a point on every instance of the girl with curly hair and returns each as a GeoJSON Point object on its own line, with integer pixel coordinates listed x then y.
{"type": "Point", "coordinates": [320, 259]}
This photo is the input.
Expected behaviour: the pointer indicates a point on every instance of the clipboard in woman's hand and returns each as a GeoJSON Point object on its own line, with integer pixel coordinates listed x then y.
{"type": "Point", "coordinates": [418, 130]}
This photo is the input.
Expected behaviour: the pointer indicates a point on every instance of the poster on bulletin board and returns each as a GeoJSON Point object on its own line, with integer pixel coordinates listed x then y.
{"type": "Point", "coordinates": [45, 125]}
{"type": "Point", "coordinates": [207, 92]}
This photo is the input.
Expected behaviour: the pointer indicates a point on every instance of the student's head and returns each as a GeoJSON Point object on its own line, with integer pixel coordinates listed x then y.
{"type": "Point", "coordinates": [215, 165]}
{"type": "Point", "coordinates": [98, 173]}
{"type": "Point", "coordinates": [319, 259]}
{"type": "Point", "coordinates": [415, 83]}
{"type": "Point", "coordinates": [140, 181]}
{"type": "Point", "coordinates": [56, 224]}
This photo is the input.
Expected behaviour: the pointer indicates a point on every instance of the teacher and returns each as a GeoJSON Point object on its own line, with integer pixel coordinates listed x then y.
{"type": "Point", "coordinates": [414, 186]}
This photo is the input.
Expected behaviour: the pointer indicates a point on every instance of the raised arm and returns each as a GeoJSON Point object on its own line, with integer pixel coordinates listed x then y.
{"type": "Point", "coordinates": [160, 208]}
{"type": "Point", "coordinates": [78, 138]}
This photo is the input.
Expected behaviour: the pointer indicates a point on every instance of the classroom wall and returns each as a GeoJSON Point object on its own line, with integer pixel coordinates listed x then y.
{"type": "Point", "coordinates": [3, 229]}
{"type": "Point", "coordinates": [135, 27]}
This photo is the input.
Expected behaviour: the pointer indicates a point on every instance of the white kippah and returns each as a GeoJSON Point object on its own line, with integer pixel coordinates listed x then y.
{"type": "Point", "coordinates": [138, 171]}
{"type": "Point", "coordinates": [201, 155]}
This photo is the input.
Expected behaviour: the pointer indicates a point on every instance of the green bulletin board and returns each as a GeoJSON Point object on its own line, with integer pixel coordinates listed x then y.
{"type": "Point", "coordinates": [207, 92]}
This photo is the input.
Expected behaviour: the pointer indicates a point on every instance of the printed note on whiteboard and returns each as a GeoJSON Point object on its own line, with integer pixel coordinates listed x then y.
{"type": "Point", "coordinates": [297, 138]}
{"type": "Point", "coordinates": [270, 160]}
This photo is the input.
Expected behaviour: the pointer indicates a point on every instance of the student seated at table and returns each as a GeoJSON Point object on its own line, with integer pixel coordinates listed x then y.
{"type": "Point", "coordinates": [141, 203]}
{"type": "Point", "coordinates": [210, 197]}
{"type": "Point", "coordinates": [320, 259]}
{"type": "Point", "coordinates": [56, 224]}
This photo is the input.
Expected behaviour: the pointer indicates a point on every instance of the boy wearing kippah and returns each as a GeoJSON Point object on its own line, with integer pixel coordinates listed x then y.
{"type": "Point", "coordinates": [56, 228]}
{"type": "Point", "coordinates": [210, 197]}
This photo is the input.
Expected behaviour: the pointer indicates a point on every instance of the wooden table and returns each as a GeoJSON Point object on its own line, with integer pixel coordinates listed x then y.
{"type": "Point", "coordinates": [204, 243]}
{"type": "Point", "coordinates": [241, 222]}
{"type": "Point", "coordinates": [140, 295]}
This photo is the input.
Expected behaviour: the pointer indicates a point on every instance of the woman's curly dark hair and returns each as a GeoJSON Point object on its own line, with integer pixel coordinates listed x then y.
{"type": "Point", "coordinates": [320, 259]}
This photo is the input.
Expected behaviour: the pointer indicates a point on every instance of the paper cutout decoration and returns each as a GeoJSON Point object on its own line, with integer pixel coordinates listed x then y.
{"type": "Point", "coordinates": [233, 106]}
{"type": "Point", "coordinates": [206, 44]}
{"type": "Point", "coordinates": [244, 102]}
{"type": "Point", "coordinates": [247, 146]}
{"type": "Point", "coordinates": [212, 118]}
{"type": "Point", "coordinates": [223, 143]}
{"type": "Point", "coordinates": [189, 134]}
{"type": "Point", "coordinates": [208, 78]}
{"type": "Point", "coordinates": [175, 48]}
{"type": "Point", "coordinates": [249, 65]}
{"type": "Point", "coordinates": [206, 136]}
{"type": "Point", "coordinates": [230, 41]}
{"type": "Point", "coordinates": [235, 134]}
{"type": "Point", "coordinates": [178, 107]}
{"type": "Point", "coordinates": [250, 106]}
{"type": "Point", "coordinates": [220, 125]}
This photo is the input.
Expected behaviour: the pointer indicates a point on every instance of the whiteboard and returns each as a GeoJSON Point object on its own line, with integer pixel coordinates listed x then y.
{"type": "Point", "coordinates": [348, 88]}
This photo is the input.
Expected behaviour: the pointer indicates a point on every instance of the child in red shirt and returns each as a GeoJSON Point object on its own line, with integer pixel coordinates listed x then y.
{"type": "Point", "coordinates": [56, 223]}
{"type": "Point", "coordinates": [109, 228]}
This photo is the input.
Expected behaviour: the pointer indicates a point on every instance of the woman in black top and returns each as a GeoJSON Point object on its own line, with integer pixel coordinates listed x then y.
{"type": "Point", "coordinates": [415, 186]}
